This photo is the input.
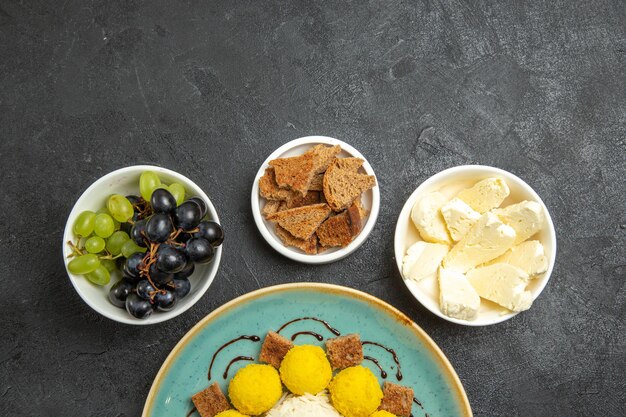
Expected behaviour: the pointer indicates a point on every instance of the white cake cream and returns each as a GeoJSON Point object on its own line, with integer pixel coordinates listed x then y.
{"type": "Point", "coordinates": [459, 218]}
{"type": "Point", "coordinates": [503, 284]}
{"type": "Point", "coordinates": [486, 194]}
{"type": "Point", "coordinates": [457, 298]}
{"type": "Point", "coordinates": [486, 240]}
{"type": "Point", "coordinates": [427, 218]}
{"type": "Point", "coordinates": [476, 249]}
{"type": "Point", "coordinates": [422, 260]}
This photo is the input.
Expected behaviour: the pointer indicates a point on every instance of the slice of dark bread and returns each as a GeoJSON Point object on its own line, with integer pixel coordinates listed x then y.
{"type": "Point", "coordinates": [211, 401]}
{"type": "Point", "coordinates": [274, 349]}
{"type": "Point", "coordinates": [297, 172]}
{"type": "Point", "coordinates": [323, 156]}
{"type": "Point", "coordinates": [274, 206]}
{"type": "Point", "coordinates": [317, 183]}
{"type": "Point", "coordinates": [312, 197]}
{"type": "Point", "coordinates": [362, 210]}
{"type": "Point", "coordinates": [308, 246]}
{"type": "Point", "coordinates": [335, 231]}
{"type": "Point", "coordinates": [344, 351]}
{"type": "Point", "coordinates": [356, 220]}
{"type": "Point", "coordinates": [343, 184]}
{"type": "Point", "coordinates": [349, 164]}
{"type": "Point", "coordinates": [294, 173]}
{"type": "Point", "coordinates": [397, 399]}
{"type": "Point", "coordinates": [301, 222]}
{"type": "Point", "coordinates": [271, 207]}
{"type": "Point", "coordinates": [339, 230]}
{"type": "Point", "coordinates": [269, 189]}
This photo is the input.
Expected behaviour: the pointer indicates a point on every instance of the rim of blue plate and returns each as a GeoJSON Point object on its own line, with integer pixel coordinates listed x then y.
{"type": "Point", "coordinates": [449, 372]}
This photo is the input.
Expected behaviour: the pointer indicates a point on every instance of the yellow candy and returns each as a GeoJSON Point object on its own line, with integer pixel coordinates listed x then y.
{"type": "Point", "coordinates": [230, 413]}
{"type": "Point", "coordinates": [255, 389]}
{"type": "Point", "coordinates": [379, 413]}
{"type": "Point", "coordinates": [305, 369]}
{"type": "Point", "coordinates": [355, 392]}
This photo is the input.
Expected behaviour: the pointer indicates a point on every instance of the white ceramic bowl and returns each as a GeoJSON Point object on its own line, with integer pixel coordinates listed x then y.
{"type": "Point", "coordinates": [450, 182]}
{"type": "Point", "coordinates": [370, 199]}
{"type": "Point", "coordinates": [125, 181]}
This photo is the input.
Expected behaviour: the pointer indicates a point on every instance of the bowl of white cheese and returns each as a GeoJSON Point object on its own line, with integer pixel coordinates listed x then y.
{"type": "Point", "coordinates": [475, 245]}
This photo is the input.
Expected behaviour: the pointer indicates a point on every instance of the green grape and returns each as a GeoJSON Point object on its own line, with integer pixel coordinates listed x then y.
{"type": "Point", "coordinates": [164, 186]}
{"type": "Point", "coordinates": [116, 224]}
{"type": "Point", "coordinates": [109, 264]}
{"type": "Point", "coordinates": [148, 182]}
{"type": "Point", "coordinates": [130, 247]}
{"type": "Point", "coordinates": [178, 191]}
{"type": "Point", "coordinates": [120, 208]}
{"type": "Point", "coordinates": [83, 264]}
{"type": "Point", "coordinates": [83, 226]}
{"type": "Point", "coordinates": [115, 242]}
{"type": "Point", "coordinates": [94, 244]}
{"type": "Point", "coordinates": [99, 276]}
{"type": "Point", "coordinates": [104, 225]}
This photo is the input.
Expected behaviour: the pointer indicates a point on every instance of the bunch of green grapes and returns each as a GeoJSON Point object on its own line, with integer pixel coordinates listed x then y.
{"type": "Point", "coordinates": [154, 239]}
{"type": "Point", "coordinates": [100, 240]}
{"type": "Point", "coordinates": [103, 236]}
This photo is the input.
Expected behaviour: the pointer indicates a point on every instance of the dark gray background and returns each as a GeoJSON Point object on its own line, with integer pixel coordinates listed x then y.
{"type": "Point", "coordinates": [209, 89]}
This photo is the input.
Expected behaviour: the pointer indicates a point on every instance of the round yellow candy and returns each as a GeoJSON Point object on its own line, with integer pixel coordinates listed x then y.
{"type": "Point", "coordinates": [255, 389]}
{"type": "Point", "coordinates": [379, 413]}
{"type": "Point", "coordinates": [230, 413]}
{"type": "Point", "coordinates": [305, 369]}
{"type": "Point", "coordinates": [355, 392]}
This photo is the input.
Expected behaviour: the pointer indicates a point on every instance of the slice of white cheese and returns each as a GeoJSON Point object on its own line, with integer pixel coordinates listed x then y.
{"type": "Point", "coordinates": [528, 256]}
{"type": "Point", "coordinates": [459, 218]}
{"type": "Point", "coordinates": [486, 240]}
{"type": "Point", "coordinates": [422, 260]}
{"type": "Point", "coordinates": [457, 298]}
{"type": "Point", "coordinates": [526, 218]}
{"type": "Point", "coordinates": [486, 194]}
{"type": "Point", "coordinates": [503, 284]}
{"type": "Point", "coordinates": [427, 218]}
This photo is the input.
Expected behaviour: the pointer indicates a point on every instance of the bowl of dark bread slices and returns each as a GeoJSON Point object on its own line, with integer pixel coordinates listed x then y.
{"type": "Point", "coordinates": [315, 199]}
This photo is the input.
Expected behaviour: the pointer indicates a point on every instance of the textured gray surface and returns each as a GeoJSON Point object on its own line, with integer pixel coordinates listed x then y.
{"type": "Point", "coordinates": [209, 89]}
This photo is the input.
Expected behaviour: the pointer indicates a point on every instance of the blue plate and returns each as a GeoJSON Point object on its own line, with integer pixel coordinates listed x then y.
{"type": "Point", "coordinates": [424, 367]}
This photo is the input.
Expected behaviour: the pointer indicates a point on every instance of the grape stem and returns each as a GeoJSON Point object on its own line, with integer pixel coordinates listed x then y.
{"type": "Point", "coordinates": [76, 251]}
{"type": "Point", "coordinates": [145, 238]}
{"type": "Point", "coordinates": [150, 257]}
{"type": "Point", "coordinates": [171, 240]}
{"type": "Point", "coordinates": [110, 256]}
{"type": "Point", "coordinates": [148, 260]}
{"type": "Point", "coordinates": [143, 208]}
{"type": "Point", "coordinates": [175, 234]}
